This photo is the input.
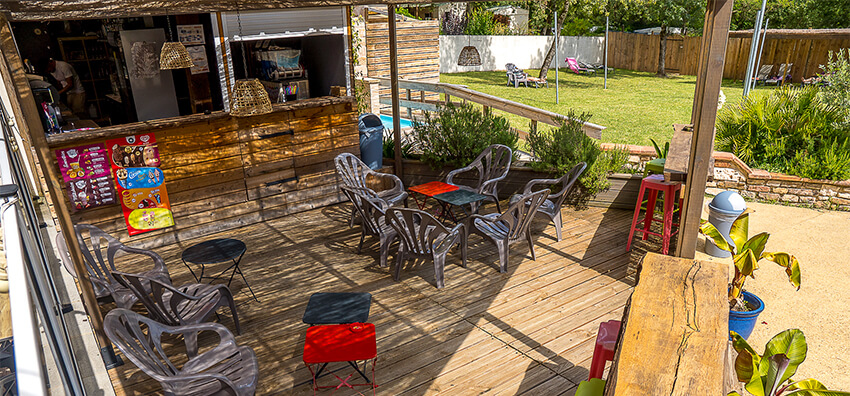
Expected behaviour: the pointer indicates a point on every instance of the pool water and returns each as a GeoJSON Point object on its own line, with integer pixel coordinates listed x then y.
{"type": "Point", "coordinates": [388, 122]}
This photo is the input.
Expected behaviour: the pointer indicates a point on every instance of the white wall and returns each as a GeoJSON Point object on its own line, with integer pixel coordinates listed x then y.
{"type": "Point", "coordinates": [527, 52]}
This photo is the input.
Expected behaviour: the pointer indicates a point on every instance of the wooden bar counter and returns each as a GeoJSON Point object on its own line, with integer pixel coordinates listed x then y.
{"type": "Point", "coordinates": [223, 172]}
{"type": "Point", "coordinates": [673, 340]}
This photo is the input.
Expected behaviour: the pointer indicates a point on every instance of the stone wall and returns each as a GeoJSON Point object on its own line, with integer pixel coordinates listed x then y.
{"type": "Point", "coordinates": [730, 173]}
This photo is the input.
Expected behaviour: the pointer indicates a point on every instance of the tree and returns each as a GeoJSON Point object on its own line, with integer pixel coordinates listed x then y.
{"type": "Point", "coordinates": [564, 6]}
{"type": "Point", "coordinates": [669, 13]}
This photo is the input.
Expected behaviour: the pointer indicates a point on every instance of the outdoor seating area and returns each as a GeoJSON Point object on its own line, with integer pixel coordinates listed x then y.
{"type": "Point", "coordinates": [539, 319]}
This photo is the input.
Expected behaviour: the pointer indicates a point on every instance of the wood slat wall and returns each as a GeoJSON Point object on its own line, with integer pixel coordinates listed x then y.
{"type": "Point", "coordinates": [806, 51]}
{"type": "Point", "coordinates": [418, 52]}
{"type": "Point", "coordinates": [229, 172]}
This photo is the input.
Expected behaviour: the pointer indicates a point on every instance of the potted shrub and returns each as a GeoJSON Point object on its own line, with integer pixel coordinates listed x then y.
{"type": "Point", "coordinates": [557, 150]}
{"type": "Point", "coordinates": [770, 374]}
{"type": "Point", "coordinates": [744, 307]}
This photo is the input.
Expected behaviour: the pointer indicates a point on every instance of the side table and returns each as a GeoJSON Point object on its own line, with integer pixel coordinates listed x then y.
{"type": "Point", "coordinates": [337, 308]}
{"type": "Point", "coordinates": [348, 343]}
{"type": "Point", "coordinates": [430, 189]}
{"type": "Point", "coordinates": [217, 251]}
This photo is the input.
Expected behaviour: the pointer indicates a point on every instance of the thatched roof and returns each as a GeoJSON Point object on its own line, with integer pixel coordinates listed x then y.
{"type": "Point", "coordinates": [811, 34]}
{"type": "Point", "coordinates": [53, 10]}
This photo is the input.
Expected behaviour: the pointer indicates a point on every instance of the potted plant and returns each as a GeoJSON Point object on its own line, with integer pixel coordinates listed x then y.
{"type": "Point", "coordinates": [770, 374]}
{"type": "Point", "coordinates": [744, 307]}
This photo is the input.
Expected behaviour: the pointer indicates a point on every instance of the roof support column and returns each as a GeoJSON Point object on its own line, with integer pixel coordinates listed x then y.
{"type": "Point", "coordinates": [394, 89]}
{"type": "Point", "coordinates": [710, 75]}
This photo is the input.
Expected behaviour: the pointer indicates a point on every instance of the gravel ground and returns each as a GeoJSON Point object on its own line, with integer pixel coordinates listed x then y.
{"type": "Point", "coordinates": [821, 308]}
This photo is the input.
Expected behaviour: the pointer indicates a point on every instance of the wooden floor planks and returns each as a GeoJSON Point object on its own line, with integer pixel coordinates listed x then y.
{"type": "Point", "coordinates": [529, 331]}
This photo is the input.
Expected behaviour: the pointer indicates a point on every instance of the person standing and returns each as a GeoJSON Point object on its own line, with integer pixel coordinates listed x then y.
{"type": "Point", "coordinates": [73, 89]}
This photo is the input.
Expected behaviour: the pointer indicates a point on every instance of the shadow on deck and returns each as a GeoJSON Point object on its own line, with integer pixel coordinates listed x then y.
{"type": "Point", "coordinates": [529, 331]}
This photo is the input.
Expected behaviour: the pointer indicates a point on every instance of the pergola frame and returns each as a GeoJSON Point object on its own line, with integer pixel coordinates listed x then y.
{"type": "Point", "coordinates": [12, 72]}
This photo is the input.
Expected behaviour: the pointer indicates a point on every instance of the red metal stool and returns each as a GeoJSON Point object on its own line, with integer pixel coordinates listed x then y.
{"type": "Point", "coordinates": [341, 343]}
{"type": "Point", "coordinates": [654, 184]}
{"type": "Point", "coordinates": [606, 341]}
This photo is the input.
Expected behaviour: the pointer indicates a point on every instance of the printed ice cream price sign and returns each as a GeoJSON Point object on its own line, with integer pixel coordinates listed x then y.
{"type": "Point", "coordinates": [85, 171]}
{"type": "Point", "coordinates": [134, 161]}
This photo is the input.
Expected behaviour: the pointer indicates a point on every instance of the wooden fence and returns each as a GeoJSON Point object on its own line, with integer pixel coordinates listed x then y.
{"type": "Point", "coordinates": [807, 50]}
{"type": "Point", "coordinates": [418, 50]}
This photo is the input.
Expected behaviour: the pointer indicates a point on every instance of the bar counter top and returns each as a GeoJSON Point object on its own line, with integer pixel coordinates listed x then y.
{"type": "Point", "coordinates": [75, 138]}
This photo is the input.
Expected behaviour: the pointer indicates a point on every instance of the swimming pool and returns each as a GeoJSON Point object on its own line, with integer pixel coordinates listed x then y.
{"type": "Point", "coordinates": [388, 122]}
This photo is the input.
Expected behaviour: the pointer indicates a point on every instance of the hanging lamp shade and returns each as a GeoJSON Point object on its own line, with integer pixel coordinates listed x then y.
{"type": "Point", "coordinates": [174, 56]}
{"type": "Point", "coordinates": [469, 56]}
{"type": "Point", "coordinates": [249, 98]}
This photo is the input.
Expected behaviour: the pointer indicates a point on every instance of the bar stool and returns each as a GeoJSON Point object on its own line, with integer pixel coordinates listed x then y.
{"type": "Point", "coordinates": [606, 341]}
{"type": "Point", "coordinates": [652, 185]}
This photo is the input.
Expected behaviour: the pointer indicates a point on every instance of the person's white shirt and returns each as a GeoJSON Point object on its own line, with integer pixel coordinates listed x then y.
{"type": "Point", "coordinates": [63, 72]}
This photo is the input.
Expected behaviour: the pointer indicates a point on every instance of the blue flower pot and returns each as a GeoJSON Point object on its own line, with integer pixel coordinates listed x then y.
{"type": "Point", "coordinates": [743, 323]}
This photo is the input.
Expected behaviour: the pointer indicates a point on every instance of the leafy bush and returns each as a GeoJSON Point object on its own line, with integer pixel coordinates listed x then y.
{"type": "Point", "coordinates": [789, 130]}
{"type": "Point", "coordinates": [482, 22]}
{"type": "Point", "coordinates": [388, 147]}
{"type": "Point", "coordinates": [837, 74]}
{"type": "Point", "coordinates": [455, 135]}
{"type": "Point", "coordinates": [559, 149]}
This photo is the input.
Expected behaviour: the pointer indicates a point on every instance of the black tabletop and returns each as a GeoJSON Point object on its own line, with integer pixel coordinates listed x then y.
{"type": "Point", "coordinates": [214, 251]}
{"type": "Point", "coordinates": [460, 197]}
{"type": "Point", "coordinates": [337, 308]}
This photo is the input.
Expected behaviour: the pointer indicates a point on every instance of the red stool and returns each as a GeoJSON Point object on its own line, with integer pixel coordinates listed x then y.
{"type": "Point", "coordinates": [606, 340]}
{"type": "Point", "coordinates": [653, 185]}
{"type": "Point", "coordinates": [341, 343]}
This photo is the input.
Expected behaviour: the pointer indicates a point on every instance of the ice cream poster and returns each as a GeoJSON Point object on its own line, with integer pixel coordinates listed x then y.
{"type": "Point", "coordinates": [140, 183]}
{"type": "Point", "coordinates": [85, 171]}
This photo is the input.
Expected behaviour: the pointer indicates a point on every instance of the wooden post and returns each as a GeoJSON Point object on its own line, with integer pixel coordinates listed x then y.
{"type": "Point", "coordinates": [712, 54]}
{"type": "Point", "coordinates": [351, 49]}
{"type": "Point", "coordinates": [394, 88]}
{"type": "Point", "coordinates": [409, 110]}
{"type": "Point", "coordinates": [448, 99]}
{"type": "Point", "coordinates": [29, 123]}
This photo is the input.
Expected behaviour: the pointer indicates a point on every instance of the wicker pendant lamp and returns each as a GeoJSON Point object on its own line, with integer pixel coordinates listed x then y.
{"type": "Point", "coordinates": [469, 55]}
{"type": "Point", "coordinates": [174, 54]}
{"type": "Point", "coordinates": [249, 95]}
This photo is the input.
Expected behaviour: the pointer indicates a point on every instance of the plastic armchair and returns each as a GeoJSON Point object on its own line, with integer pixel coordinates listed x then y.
{"type": "Point", "coordinates": [354, 173]}
{"type": "Point", "coordinates": [552, 206]}
{"type": "Point", "coordinates": [373, 212]}
{"type": "Point", "coordinates": [227, 368]}
{"type": "Point", "coordinates": [99, 251]}
{"type": "Point", "coordinates": [516, 76]}
{"type": "Point", "coordinates": [492, 165]}
{"type": "Point", "coordinates": [175, 306]}
{"type": "Point", "coordinates": [510, 227]}
{"type": "Point", "coordinates": [422, 236]}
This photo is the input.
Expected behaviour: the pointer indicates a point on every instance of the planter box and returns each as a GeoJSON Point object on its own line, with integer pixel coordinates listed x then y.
{"type": "Point", "coordinates": [622, 194]}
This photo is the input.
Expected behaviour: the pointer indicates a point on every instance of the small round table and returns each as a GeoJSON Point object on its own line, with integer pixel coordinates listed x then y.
{"type": "Point", "coordinates": [217, 251]}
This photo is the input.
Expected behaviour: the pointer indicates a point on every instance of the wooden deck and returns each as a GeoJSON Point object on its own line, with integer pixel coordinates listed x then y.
{"type": "Point", "coordinates": [529, 331]}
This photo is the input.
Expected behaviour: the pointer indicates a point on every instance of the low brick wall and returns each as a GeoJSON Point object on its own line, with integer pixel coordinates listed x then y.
{"type": "Point", "coordinates": [730, 173]}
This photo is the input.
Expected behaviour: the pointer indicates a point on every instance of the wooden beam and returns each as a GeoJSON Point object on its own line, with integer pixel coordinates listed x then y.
{"type": "Point", "coordinates": [52, 10]}
{"type": "Point", "coordinates": [29, 122]}
{"type": "Point", "coordinates": [712, 57]}
{"type": "Point", "coordinates": [678, 315]}
{"type": "Point", "coordinates": [399, 171]}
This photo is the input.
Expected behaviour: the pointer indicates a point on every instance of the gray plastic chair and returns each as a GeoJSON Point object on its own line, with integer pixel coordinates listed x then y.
{"type": "Point", "coordinates": [227, 368]}
{"type": "Point", "coordinates": [510, 227]}
{"type": "Point", "coordinates": [176, 306]}
{"type": "Point", "coordinates": [373, 212]}
{"type": "Point", "coordinates": [552, 206]}
{"type": "Point", "coordinates": [354, 173]}
{"type": "Point", "coordinates": [516, 76]}
{"type": "Point", "coordinates": [422, 236]}
{"type": "Point", "coordinates": [99, 251]}
{"type": "Point", "coordinates": [492, 165]}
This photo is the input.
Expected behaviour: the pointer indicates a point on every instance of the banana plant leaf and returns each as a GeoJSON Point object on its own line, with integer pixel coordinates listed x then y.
{"type": "Point", "coordinates": [792, 266]}
{"type": "Point", "coordinates": [790, 343]}
{"type": "Point", "coordinates": [777, 365]}
{"type": "Point", "coordinates": [740, 230]}
{"type": "Point", "coordinates": [812, 387]}
{"type": "Point", "coordinates": [711, 232]}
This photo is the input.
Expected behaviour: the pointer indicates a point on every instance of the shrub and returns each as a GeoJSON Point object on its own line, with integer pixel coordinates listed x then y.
{"type": "Point", "coordinates": [837, 75]}
{"type": "Point", "coordinates": [388, 146]}
{"type": "Point", "coordinates": [559, 149]}
{"type": "Point", "coordinates": [789, 130]}
{"type": "Point", "coordinates": [483, 22]}
{"type": "Point", "coordinates": [455, 135]}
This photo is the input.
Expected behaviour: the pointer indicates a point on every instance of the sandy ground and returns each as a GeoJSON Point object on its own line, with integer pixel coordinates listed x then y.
{"type": "Point", "coordinates": [821, 308]}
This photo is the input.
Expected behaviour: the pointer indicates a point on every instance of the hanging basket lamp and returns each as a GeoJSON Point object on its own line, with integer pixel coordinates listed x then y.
{"type": "Point", "coordinates": [174, 56]}
{"type": "Point", "coordinates": [469, 56]}
{"type": "Point", "coordinates": [249, 98]}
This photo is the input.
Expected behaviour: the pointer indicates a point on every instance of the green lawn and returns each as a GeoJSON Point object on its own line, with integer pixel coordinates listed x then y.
{"type": "Point", "coordinates": [636, 106]}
